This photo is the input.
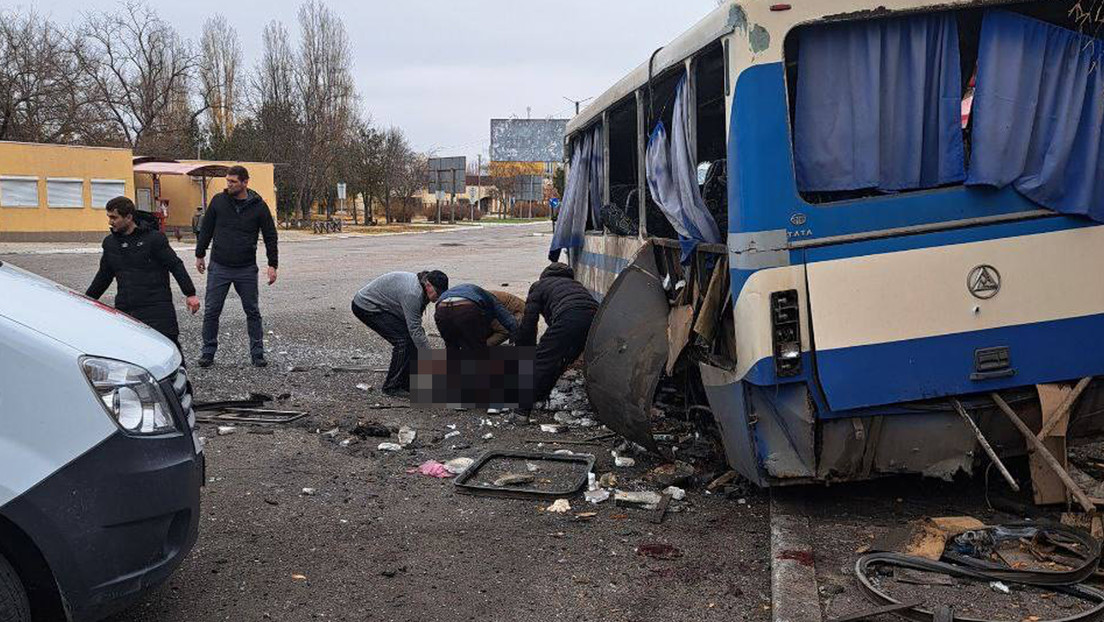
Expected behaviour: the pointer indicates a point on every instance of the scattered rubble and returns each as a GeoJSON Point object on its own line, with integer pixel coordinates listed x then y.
{"type": "Point", "coordinates": [647, 500]}
{"type": "Point", "coordinates": [676, 493]}
{"type": "Point", "coordinates": [370, 429]}
{"type": "Point", "coordinates": [623, 461]}
{"type": "Point", "coordinates": [560, 506]}
{"type": "Point", "coordinates": [390, 447]}
{"type": "Point", "coordinates": [407, 435]}
{"type": "Point", "coordinates": [551, 428]}
{"type": "Point", "coordinates": [226, 430]}
{"type": "Point", "coordinates": [309, 492]}
{"type": "Point", "coordinates": [457, 466]}
{"type": "Point", "coordinates": [596, 496]}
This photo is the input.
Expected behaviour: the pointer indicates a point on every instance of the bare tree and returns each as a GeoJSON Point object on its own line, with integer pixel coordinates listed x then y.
{"type": "Point", "coordinates": [41, 93]}
{"type": "Point", "coordinates": [326, 90]}
{"type": "Point", "coordinates": [218, 78]}
{"type": "Point", "coordinates": [393, 155]}
{"type": "Point", "coordinates": [412, 177]}
{"type": "Point", "coordinates": [276, 109]}
{"type": "Point", "coordinates": [138, 67]}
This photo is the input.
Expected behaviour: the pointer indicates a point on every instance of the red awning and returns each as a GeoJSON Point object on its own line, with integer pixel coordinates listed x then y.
{"type": "Point", "coordinates": [181, 168]}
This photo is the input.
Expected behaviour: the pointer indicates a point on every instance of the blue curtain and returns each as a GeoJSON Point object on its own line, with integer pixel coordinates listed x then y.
{"type": "Point", "coordinates": [1039, 114]}
{"type": "Point", "coordinates": [878, 105]}
{"type": "Point", "coordinates": [673, 178]}
{"type": "Point", "coordinates": [580, 190]}
{"type": "Point", "coordinates": [596, 176]}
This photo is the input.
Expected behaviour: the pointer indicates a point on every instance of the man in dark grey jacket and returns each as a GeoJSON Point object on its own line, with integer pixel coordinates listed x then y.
{"type": "Point", "coordinates": [392, 305]}
{"type": "Point", "coordinates": [233, 220]}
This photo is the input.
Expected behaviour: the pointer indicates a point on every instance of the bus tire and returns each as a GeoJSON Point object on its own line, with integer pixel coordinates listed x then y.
{"type": "Point", "coordinates": [14, 606]}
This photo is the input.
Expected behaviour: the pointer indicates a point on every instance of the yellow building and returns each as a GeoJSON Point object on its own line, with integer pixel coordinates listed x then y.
{"type": "Point", "coordinates": [57, 192]}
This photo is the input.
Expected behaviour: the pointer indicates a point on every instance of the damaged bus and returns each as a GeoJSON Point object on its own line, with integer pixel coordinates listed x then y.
{"type": "Point", "coordinates": [851, 231]}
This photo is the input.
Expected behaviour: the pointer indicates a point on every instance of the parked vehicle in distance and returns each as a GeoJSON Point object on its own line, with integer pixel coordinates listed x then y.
{"type": "Point", "coordinates": [100, 465]}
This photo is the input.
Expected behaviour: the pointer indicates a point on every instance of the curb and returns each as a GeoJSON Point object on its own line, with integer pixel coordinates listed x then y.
{"type": "Point", "coordinates": [794, 593]}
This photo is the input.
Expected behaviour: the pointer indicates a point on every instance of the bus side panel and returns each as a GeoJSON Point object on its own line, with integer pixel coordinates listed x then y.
{"type": "Point", "coordinates": [601, 259]}
{"type": "Point", "coordinates": [904, 320]}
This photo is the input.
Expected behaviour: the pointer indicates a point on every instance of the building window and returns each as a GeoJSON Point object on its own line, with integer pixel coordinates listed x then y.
{"type": "Point", "coordinates": [18, 192]}
{"type": "Point", "coordinates": [65, 193]}
{"type": "Point", "coordinates": [103, 190]}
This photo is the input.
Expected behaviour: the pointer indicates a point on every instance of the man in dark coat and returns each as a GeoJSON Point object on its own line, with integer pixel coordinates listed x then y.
{"type": "Point", "coordinates": [232, 221]}
{"type": "Point", "coordinates": [568, 309]}
{"type": "Point", "coordinates": [138, 257]}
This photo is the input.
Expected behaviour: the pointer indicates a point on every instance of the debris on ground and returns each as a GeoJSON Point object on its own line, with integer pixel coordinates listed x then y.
{"type": "Point", "coordinates": [551, 428]}
{"type": "Point", "coordinates": [225, 430]}
{"type": "Point", "coordinates": [389, 447]}
{"type": "Point", "coordinates": [647, 500]}
{"type": "Point", "coordinates": [608, 480]}
{"type": "Point", "coordinates": [309, 492]}
{"type": "Point", "coordinates": [452, 434]}
{"type": "Point", "coordinates": [658, 550]}
{"type": "Point", "coordinates": [623, 461]}
{"type": "Point", "coordinates": [925, 538]}
{"type": "Point", "coordinates": [488, 436]}
{"type": "Point", "coordinates": [596, 496]}
{"type": "Point", "coordinates": [457, 466]}
{"type": "Point", "coordinates": [432, 468]}
{"type": "Point", "coordinates": [671, 474]}
{"type": "Point", "coordinates": [407, 435]}
{"type": "Point", "coordinates": [559, 506]}
{"type": "Point", "coordinates": [370, 429]}
{"type": "Point", "coordinates": [514, 479]}
{"type": "Point", "coordinates": [676, 493]}
{"type": "Point", "coordinates": [363, 387]}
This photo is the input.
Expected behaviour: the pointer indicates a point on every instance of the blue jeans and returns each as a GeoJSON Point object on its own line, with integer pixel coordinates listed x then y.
{"type": "Point", "coordinates": [244, 280]}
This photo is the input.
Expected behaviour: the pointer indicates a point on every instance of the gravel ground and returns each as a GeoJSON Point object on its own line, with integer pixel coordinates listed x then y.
{"type": "Point", "coordinates": [376, 543]}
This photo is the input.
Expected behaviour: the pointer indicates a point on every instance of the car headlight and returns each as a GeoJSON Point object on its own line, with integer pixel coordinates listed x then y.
{"type": "Point", "coordinates": [130, 396]}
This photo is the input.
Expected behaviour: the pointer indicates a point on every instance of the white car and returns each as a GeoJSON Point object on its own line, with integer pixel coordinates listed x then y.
{"type": "Point", "coordinates": [100, 466]}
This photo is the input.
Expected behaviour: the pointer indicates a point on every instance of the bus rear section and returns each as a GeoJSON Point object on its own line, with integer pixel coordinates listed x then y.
{"type": "Point", "coordinates": [932, 243]}
{"type": "Point", "coordinates": [911, 235]}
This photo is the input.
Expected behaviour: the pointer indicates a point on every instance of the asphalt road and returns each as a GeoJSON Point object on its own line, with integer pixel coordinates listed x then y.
{"type": "Point", "coordinates": [376, 543]}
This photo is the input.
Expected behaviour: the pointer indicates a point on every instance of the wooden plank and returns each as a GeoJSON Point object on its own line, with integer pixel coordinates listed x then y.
{"type": "Point", "coordinates": [1038, 447]}
{"type": "Point", "coordinates": [1046, 486]}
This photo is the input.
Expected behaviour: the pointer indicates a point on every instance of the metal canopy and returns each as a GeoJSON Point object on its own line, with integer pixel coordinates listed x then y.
{"type": "Point", "coordinates": [194, 169]}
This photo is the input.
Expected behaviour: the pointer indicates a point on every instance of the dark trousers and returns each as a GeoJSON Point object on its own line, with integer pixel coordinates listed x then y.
{"type": "Point", "coordinates": [244, 280]}
{"type": "Point", "coordinates": [462, 326]}
{"type": "Point", "coordinates": [403, 351]}
{"type": "Point", "coordinates": [560, 345]}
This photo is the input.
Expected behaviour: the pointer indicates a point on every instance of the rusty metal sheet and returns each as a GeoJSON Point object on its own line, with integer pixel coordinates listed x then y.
{"type": "Point", "coordinates": [627, 348]}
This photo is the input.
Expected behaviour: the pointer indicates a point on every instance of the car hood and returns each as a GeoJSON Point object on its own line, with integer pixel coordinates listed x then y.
{"type": "Point", "coordinates": [86, 325]}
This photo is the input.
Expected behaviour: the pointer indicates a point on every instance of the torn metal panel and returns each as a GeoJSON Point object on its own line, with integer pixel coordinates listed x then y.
{"type": "Point", "coordinates": [727, 400]}
{"type": "Point", "coordinates": [842, 447]}
{"type": "Point", "coordinates": [935, 445]}
{"type": "Point", "coordinates": [784, 430]}
{"type": "Point", "coordinates": [627, 348]}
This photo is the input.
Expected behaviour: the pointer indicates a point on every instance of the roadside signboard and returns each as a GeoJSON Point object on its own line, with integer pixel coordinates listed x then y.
{"type": "Point", "coordinates": [448, 175]}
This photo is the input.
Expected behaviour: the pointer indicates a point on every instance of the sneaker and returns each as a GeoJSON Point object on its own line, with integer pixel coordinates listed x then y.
{"type": "Point", "coordinates": [205, 361]}
{"type": "Point", "coordinates": [259, 361]}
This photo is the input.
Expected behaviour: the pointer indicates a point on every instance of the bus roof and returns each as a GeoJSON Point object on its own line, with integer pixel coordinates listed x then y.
{"type": "Point", "coordinates": [712, 27]}
{"type": "Point", "coordinates": [776, 19]}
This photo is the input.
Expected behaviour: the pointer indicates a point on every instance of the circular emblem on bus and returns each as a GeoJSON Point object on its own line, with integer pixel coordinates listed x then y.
{"type": "Point", "coordinates": [798, 219]}
{"type": "Point", "coordinates": [984, 282]}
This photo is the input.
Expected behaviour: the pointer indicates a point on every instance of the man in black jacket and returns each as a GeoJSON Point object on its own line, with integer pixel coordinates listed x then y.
{"type": "Point", "coordinates": [138, 257]}
{"type": "Point", "coordinates": [569, 310]}
{"type": "Point", "coordinates": [232, 221]}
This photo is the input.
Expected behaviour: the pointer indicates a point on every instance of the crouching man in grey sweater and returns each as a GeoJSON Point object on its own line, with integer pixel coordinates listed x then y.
{"type": "Point", "coordinates": [392, 305]}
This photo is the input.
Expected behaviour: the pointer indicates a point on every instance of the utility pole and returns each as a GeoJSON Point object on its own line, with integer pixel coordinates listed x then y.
{"type": "Point", "coordinates": [577, 102]}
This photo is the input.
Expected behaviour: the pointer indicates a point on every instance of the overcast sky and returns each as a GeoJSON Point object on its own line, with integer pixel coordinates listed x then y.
{"type": "Point", "coordinates": [441, 69]}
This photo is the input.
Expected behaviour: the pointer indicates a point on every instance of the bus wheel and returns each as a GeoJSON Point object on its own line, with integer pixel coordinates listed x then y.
{"type": "Point", "coordinates": [13, 599]}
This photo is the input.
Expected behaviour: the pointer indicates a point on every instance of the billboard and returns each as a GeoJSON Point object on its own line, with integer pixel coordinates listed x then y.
{"type": "Point", "coordinates": [448, 175]}
{"type": "Point", "coordinates": [530, 188]}
{"type": "Point", "coordinates": [527, 140]}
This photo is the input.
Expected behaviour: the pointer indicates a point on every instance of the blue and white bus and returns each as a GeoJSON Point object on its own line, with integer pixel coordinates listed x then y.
{"type": "Point", "coordinates": [842, 219]}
